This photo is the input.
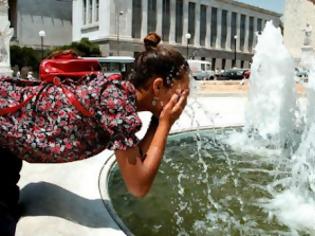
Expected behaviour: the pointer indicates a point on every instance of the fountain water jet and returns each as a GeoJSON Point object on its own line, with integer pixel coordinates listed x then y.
{"type": "Point", "coordinates": [295, 206]}
{"type": "Point", "coordinates": [272, 96]}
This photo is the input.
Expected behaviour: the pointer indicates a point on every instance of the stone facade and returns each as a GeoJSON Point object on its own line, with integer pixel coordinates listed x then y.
{"type": "Point", "coordinates": [298, 14]}
{"type": "Point", "coordinates": [28, 17]}
{"type": "Point", "coordinates": [118, 26]}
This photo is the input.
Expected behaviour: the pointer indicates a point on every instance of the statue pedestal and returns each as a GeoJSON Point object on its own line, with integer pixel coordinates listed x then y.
{"type": "Point", "coordinates": [5, 71]}
{"type": "Point", "coordinates": [307, 57]}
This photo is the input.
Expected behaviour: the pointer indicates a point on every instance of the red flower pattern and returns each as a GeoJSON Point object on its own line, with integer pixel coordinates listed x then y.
{"type": "Point", "coordinates": [50, 129]}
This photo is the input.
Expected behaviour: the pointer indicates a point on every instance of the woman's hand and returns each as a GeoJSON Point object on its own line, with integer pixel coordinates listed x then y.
{"type": "Point", "coordinates": [139, 171]}
{"type": "Point", "coordinates": [174, 108]}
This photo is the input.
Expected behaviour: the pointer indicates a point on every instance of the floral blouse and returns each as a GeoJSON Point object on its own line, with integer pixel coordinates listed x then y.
{"type": "Point", "coordinates": [50, 129]}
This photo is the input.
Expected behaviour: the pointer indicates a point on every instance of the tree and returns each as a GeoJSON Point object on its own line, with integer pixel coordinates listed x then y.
{"type": "Point", "coordinates": [24, 57]}
{"type": "Point", "coordinates": [84, 48]}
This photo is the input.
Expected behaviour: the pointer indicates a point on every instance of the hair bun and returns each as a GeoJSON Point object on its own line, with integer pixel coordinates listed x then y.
{"type": "Point", "coordinates": [151, 40]}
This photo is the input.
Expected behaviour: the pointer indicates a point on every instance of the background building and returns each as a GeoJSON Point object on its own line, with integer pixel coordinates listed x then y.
{"type": "Point", "coordinates": [297, 14]}
{"type": "Point", "coordinates": [217, 27]}
{"type": "Point", "coordinates": [28, 17]}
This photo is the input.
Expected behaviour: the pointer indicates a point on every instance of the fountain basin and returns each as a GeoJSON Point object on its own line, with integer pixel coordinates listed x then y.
{"type": "Point", "coordinates": [203, 187]}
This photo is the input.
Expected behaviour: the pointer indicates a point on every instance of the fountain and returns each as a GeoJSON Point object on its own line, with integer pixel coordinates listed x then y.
{"type": "Point", "coordinates": [272, 90]}
{"type": "Point", "coordinates": [255, 180]}
{"type": "Point", "coordinates": [295, 206]}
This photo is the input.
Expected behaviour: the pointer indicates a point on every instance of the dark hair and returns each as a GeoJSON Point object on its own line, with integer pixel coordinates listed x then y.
{"type": "Point", "coordinates": [157, 60]}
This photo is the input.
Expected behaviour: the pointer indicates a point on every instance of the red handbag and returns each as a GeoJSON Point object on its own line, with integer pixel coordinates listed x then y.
{"type": "Point", "coordinates": [58, 67]}
{"type": "Point", "coordinates": [67, 64]}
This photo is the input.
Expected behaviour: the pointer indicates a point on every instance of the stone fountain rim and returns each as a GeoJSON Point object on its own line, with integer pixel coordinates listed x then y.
{"type": "Point", "coordinates": [104, 174]}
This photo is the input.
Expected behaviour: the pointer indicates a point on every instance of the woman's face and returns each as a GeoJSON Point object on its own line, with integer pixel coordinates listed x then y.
{"type": "Point", "coordinates": [178, 86]}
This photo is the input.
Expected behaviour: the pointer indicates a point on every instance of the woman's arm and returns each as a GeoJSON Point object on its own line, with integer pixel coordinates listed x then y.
{"type": "Point", "coordinates": [139, 173]}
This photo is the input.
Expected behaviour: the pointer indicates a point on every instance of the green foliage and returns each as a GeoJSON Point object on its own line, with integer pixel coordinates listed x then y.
{"type": "Point", "coordinates": [84, 48]}
{"type": "Point", "coordinates": [24, 57]}
{"type": "Point", "coordinates": [29, 57]}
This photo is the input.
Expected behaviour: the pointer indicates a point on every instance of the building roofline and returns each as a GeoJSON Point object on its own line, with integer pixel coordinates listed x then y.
{"type": "Point", "coordinates": [251, 7]}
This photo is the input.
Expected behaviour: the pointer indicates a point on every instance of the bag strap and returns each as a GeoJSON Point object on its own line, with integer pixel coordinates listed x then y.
{"type": "Point", "coordinates": [69, 94]}
{"type": "Point", "coordinates": [7, 110]}
{"type": "Point", "coordinates": [72, 99]}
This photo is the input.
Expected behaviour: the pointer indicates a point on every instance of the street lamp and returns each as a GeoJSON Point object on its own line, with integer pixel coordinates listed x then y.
{"type": "Point", "coordinates": [42, 34]}
{"type": "Point", "coordinates": [235, 42]}
{"type": "Point", "coordinates": [118, 21]}
{"type": "Point", "coordinates": [187, 36]}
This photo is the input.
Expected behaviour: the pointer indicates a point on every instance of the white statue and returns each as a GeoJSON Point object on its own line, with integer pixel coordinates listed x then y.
{"type": "Point", "coordinates": [308, 35]}
{"type": "Point", "coordinates": [6, 34]}
{"type": "Point", "coordinates": [4, 3]}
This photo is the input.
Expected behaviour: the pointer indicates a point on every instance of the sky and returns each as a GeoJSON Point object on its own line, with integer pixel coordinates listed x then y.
{"type": "Point", "coordinates": [273, 5]}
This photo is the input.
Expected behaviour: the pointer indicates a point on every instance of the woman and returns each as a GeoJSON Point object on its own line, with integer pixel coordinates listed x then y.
{"type": "Point", "coordinates": [49, 129]}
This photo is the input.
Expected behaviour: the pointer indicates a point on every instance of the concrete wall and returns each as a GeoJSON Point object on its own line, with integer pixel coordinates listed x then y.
{"type": "Point", "coordinates": [54, 17]}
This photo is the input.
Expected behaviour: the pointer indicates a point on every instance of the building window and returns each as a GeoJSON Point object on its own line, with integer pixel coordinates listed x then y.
{"type": "Point", "coordinates": [152, 15]}
{"type": "Point", "coordinates": [223, 28]}
{"type": "Point", "coordinates": [242, 32]}
{"type": "Point", "coordinates": [90, 11]}
{"type": "Point", "coordinates": [97, 10]}
{"type": "Point", "coordinates": [166, 20]}
{"type": "Point", "coordinates": [84, 12]}
{"type": "Point", "coordinates": [179, 21]}
{"type": "Point", "coordinates": [191, 21]}
{"type": "Point", "coordinates": [251, 34]}
{"type": "Point", "coordinates": [233, 29]}
{"type": "Point", "coordinates": [242, 64]}
{"type": "Point", "coordinates": [213, 61]}
{"type": "Point", "coordinates": [259, 25]}
{"type": "Point", "coordinates": [234, 63]}
{"type": "Point", "coordinates": [203, 24]}
{"type": "Point", "coordinates": [136, 18]}
{"type": "Point", "coordinates": [214, 27]}
{"type": "Point", "coordinates": [223, 64]}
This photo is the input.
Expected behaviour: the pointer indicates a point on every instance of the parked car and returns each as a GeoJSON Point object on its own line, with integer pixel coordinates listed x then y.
{"type": "Point", "coordinates": [246, 74]}
{"type": "Point", "coordinates": [201, 70]}
{"type": "Point", "coordinates": [235, 74]}
{"type": "Point", "coordinates": [302, 73]}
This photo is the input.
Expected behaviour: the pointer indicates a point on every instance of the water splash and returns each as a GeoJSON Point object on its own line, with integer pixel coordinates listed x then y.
{"type": "Point", "coordinates": [295, 206]}
{"type": "Point", "coordinates": [272, 96]}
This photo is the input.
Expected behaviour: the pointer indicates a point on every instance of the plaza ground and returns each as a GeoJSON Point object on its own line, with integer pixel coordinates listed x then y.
{"type": "Point", "coordinates": [232, 87]}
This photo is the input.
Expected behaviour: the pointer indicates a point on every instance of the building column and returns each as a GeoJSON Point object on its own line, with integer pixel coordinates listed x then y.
{"type": "Point", "coordinates": [172, 21]}
{"type": "Point", "coordinates": [246, 48]}
{"type": "Point", "coordinates": [159, 17]}
{"type": "Point", "coordinates": [144, 25]}
{"type": "Point", "coordinates": [197, 24]}
{"type": "Point", "coordinates": [93, 11]}
{"type": "Point", "coordinates": [125, 20]}
{"type": "Point", "coordinates": [208, 30]}
{"type": "Point", "coordinates": [185, 21]}
{"type": "Point", "coordinates": [87, 12]}
{"type": "Point", "coordinates": [219, 29]}
{"type": "Point", "coordinates": [255, 34]}
{"type": "Point", "coordinates": [77, 16]}
{"type": "Point", "coordinates": [229, 31]}
{"type": "Point", "coordinates": [238, 32]}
